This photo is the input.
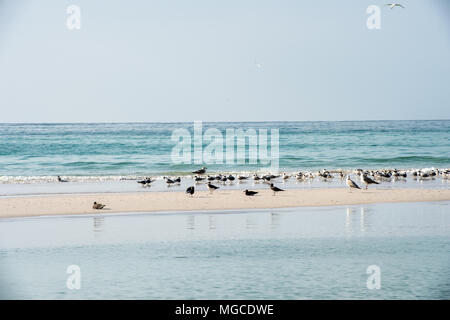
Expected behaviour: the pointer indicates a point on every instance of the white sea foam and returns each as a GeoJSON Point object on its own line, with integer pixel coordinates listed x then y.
{"type": "Point", "coordinates": [106, 178]}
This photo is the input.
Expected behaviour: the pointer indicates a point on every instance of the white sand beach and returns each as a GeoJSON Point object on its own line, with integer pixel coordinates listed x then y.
{"type": "Point", "coordinates": [203, 200]}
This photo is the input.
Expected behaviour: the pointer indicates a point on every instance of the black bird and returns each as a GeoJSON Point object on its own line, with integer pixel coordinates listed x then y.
{"type": "Point", "coordinates": [256, 177]}
{"type": "Point", "coordinates": [231, 178]}
{"type": "Point", "coordinates": [190, 191]}
{"type": "Point", "coordinates": [211, 187]}
{"type": "Point", "coordinates": [142, 181]}
{"type": "Point", "coordinates": [146, 181]}
{"type": "Point", "coordinates": [250, 193]}
{"type": "Point", "coordinates": [201, 171]}
{"type": "Point", "coordinates": [224, 179]}
{"type": "Point", "coordinates": [98, 206]}
{"type": "Point", "coordinates": [198, 179]}
{"type": "Point", "coordinates": [275, 189]}
{"type": "Point", "coordinates": [211, 178]}
{"type": "Point", "coordinates": [169, 181]}
{"type": "Point", "coordinates": [177, 180]}
{"type": "Point", "coordinates": [242, 178]}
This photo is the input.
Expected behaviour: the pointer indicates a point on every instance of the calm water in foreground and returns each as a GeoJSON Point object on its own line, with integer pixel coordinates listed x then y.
{"type": "Point", "coordinates": [304, 253]}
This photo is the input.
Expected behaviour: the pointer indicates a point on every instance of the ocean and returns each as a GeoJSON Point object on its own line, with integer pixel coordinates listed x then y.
{"type": "Point", "coordinates": [295, 253]}
{"type": "Point", "coordinates": [108, 151]}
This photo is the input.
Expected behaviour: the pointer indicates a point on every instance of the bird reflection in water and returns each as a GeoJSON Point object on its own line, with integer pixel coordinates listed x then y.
{"type": "Point", "coordinates": [250, 222]}
{"type": "Point", "coordinates": [190, 221]}
{"type": "Point", "coordinates": [351, 219]}
{"type": "Point", "coordinates": [274, 220]}
{"type": "Point", "coordinates": [348, 220]}
{"type": "Point", "coordinates": [364, 219]}
{"type": "Point", "coordinates": [211, 222]}
{"type": "Point", "coordinates": [98, 223]}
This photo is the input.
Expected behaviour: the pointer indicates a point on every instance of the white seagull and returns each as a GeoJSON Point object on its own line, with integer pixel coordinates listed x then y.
{"type": "Point", "coordinates": [366, 180]}
{"type": "Point", "coordinates": [351, 184]}
{"type": "Point", "coordinates": [393, 5]}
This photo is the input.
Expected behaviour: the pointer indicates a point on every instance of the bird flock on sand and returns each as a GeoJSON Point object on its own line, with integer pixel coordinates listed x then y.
{"type": "Point", "coordinates": [212, 182]}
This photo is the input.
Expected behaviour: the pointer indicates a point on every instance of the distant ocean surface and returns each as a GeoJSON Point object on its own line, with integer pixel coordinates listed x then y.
{"type": "Point", "coordinates": [134, 149]}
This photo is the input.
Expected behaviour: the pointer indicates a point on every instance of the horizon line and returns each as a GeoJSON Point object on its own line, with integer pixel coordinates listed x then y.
{"type": "Point", "coordinates": [192, 121]}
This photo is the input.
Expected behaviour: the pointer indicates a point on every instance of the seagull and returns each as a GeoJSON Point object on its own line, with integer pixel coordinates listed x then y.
{"type": "Point", "coordinates": [61, 180]}
{"type": "Point", "coordinates": [325, 174]}
{"type": "Point", "coordinates": [211, 187]}
{"type": "Point", "coordinates": [351, 184]}
{"type": "Point", "coordinates": [146, 182]}
{"type": "Point", "coordinates": [201, 171]}
{"type": "Point", "coordinates": [98, 206]}
{"type": "Point", "coordinates": [275, 189]}
{"type": "Point", "coordinates": [250, 193]}
{"type": "Point", "coordinates": [142, 181]}
{"type": "Point", "coordinates": [242, 178]}
{"type": "Point", "coordinates": [190, 191]}
{"type": "Point", "coordinates": [231, 177]}
{"type": "Point", "coordinates": [177, 180]}
{"type": "Point", "coordinates": [424, 175]}
{"type": "Point", "coordinates": [256, 177]}
{"type": "Point", "coordinates": [169, 181]}
{"type": "Point", "coordinates": [393, 5]}
{"type": "Point", "coordinates": [366, 180]}
{"type": "Point", "coordinates": [198, 179]}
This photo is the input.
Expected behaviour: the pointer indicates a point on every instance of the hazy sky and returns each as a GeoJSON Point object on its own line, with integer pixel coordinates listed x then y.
{"type": "Point", "coordinates": [223, 60]}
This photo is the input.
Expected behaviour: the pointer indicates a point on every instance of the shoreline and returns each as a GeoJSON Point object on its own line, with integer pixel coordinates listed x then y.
{"type": "Point", "coordinates": [76, 204]}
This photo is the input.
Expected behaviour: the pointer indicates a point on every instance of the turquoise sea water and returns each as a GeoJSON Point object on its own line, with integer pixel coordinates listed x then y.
{"type": "Point", "coordinates": [297, 253]}
{"type": "Point", "coordinates": [145, 148]}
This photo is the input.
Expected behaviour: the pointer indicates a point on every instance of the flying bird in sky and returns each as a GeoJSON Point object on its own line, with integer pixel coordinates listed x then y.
{"type": "Point", "coordinates": [393, 5]}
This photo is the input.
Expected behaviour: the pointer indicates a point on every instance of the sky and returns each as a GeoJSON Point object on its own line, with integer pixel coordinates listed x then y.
{"type": "Point", "coordinates": [217, 60]}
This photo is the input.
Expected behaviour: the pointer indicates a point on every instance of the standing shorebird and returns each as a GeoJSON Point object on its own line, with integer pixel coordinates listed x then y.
{"type": "Point", "coordinates": [190, 191]}
{"type": "Point", "coordinates": [61, 180]}
{"type": "Point", "coordinates": [351, 184]}
{"type": "Point", "coordinates": [198, 179]}
{"type": "Point", "coordinates": [211, 187]}
{"type": "Point", "coordinates": [275, 189]}
{"type": "Point", "coordinates": [146, 182]}
{"type": "Point", "coordinates": [98, 206]}
{"type": "Point", "coordinates": [201, 171]}
{"type": "Point", "coordinates": [169, 181]}
{"type": "Point", "coordinates": [250, 193]}
{"type": "Point", "coordinates": [366, 180]}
